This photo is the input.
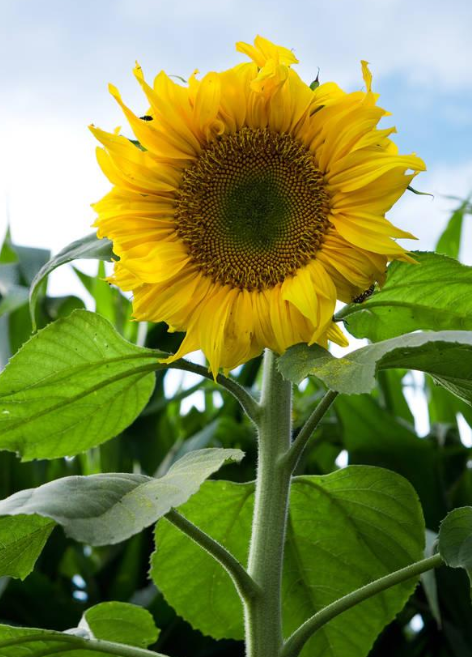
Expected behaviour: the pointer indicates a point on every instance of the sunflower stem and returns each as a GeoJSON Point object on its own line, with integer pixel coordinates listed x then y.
{"type": "Point", "coordinates": [263, 614]}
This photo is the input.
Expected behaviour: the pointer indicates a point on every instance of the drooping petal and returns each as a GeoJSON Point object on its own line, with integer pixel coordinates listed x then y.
{"type": "Point", "coordinates": [238, 345]}
{"type": "Point", "coordinates": [366, 74]}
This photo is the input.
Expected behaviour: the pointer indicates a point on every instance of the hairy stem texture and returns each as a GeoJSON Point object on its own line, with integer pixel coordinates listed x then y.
{"type": "Point", "coordinates": [263, 616]}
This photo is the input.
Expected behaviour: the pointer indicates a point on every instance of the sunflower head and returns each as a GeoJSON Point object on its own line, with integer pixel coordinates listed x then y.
{"type": "Point", "coordinates": [249, 203]}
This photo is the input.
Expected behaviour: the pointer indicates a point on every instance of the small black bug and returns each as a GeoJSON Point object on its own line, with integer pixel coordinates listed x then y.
{"type": "Point", "coordinates": [146, 117]}
{"type": "Point", "coordinates": [365, 295]}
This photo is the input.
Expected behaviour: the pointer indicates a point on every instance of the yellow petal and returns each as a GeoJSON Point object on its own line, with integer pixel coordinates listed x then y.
{"type": "Point", "coordinates": [239, 343]}
{"type": "Point", "coordinates": [154, 263]}
{"type": "Point", "coordinates": [207, 101]}
{"type": "Point", "coordinates": [212, 324]}
{"type": "Point", "coordinates": [335, 334]}
{"type": "Point", "coordinates": [264, 50]}
{"type": "Point", "coordinates": [367, 75]}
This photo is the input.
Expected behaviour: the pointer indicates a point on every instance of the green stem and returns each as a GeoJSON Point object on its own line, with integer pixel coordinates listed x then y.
{"type": "Point", "coordinates": [295, 643]}
{"type": "Point", "coordinates": [247, 401]}
{"type": "Point", "coordinates": [78, 643]}
{"type": "Point", "coordinates": [263, 620]}
{"type": "Point", "coordinates": [301, 441]}
{"type": "Point", "coordinates": [352, 308]}
{"type": "Point", "coordinates": [244, 583]}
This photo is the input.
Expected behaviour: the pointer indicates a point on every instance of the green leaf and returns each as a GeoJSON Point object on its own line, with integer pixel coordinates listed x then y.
{"type": "Point", "coordinates": [345, 530]}
{"type": "Point", "coordinates": [89, 247]}
{"type": "Point", "coordinates": [435, 294]}
{"type": "Point", "coordinates": [121, 622]}
{"type": "Point", "coordinates": [450, 241]}
{"type": "Point", "coordinates": [4, 341]}
{"type": "Point", "coordinates": [22, 540]}
{"type": "Point", "coordinates": [105, 509]}
{"type": "Point", "coordinates": [316, 82]}
{"type": "Point", "coordinates": [29, 642]}
{"type": "Point", "coordinates": [73, 385]}
{"type": "Point", "coordinates": [7, 253]}
{"type": "Point", "coordinates": [455, 540]}
{"type": "Point", "coordinates": [368, 524]}
{"type": "Point", "coordinates": [446, 355]}
{"type": "Point", "coordinates": [30, 261]}
{"type": "Point", "coordinates": [12, 297]}
{"type": "Point", "coordinates": [18, 265]}
{"type": "Point", "coordinates": [442, 407]}
{"type": "Point", "coordinates": [391, 391]}
{"type": "Point", "coordinates": [373, 436]}
{"type": "Point", "coordinates": [193, 583]}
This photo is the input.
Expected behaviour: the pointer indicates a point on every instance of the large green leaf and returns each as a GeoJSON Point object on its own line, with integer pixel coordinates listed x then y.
{"type": "Point", "coordinates": [455, 539]}
{"type": "Point", "coordinates": [21, 542]}
{"type": "Point", "coordinates": [121, 622]}
{"type": "Point", "coordinates": [105, 509]}
{"type": "Point", "coordinates": [74, 385]}
{"type": "Point", "coordinates": [446, 355]}
{"type": "Point", "coordinates": [345, 530]}
{"type": "Point", "coordinates": [89, 247]}
{"type": "Point", "coordinates": [368, 523]}
{"type": "Point", "coordinates": [28, 642]}
{"type": "Point", "coordinates": [435, 294]}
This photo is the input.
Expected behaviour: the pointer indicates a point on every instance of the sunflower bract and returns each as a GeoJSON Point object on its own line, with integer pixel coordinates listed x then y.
{"type": "Point", "coordinates": [252, 204]}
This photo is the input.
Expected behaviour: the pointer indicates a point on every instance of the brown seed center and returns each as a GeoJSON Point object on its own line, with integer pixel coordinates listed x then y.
{"type": "Point", "coordinates": [252, 209]}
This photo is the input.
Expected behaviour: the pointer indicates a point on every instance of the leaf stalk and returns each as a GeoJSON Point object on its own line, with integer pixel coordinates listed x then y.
{"type": "Point", "coordinates": [296, 642]}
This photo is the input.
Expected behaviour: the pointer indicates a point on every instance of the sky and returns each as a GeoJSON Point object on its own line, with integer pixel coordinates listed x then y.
{"type": "Point", "coordinates": [57, 57]}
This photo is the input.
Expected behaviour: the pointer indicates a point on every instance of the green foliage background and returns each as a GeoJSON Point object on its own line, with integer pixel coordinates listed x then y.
{"type": "Point", "coordinates": [377, 429]}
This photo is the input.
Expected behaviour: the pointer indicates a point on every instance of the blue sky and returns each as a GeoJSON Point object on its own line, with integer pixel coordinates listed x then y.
{"type": "Point", "coordinates": [58, 56]}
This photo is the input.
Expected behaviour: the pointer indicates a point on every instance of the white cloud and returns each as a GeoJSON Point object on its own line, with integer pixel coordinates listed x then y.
{"type": "Point", "coordinates": [419, 41]}
{"type": "Point", "coordinates": [52, 46]}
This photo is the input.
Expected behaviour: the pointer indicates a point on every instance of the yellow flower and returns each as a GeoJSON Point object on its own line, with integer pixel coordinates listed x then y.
{"type": "Point", "coordinates": [250, 203]}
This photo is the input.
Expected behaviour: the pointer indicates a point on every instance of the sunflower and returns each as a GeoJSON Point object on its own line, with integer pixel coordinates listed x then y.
{"type": "Point", "coordinates": [249, 203]}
